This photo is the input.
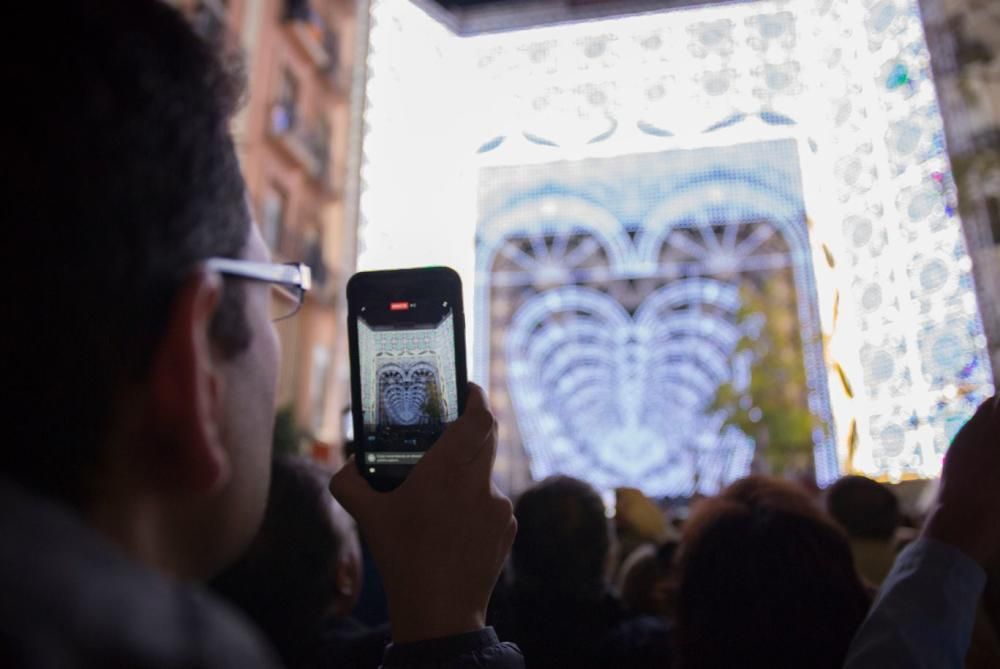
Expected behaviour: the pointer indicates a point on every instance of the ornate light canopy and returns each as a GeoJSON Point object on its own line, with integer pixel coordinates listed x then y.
{"type": "Point", "coordinates": [655, 214]}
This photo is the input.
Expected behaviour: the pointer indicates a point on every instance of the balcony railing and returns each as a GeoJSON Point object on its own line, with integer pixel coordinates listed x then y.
{"type": "Point", "coordinates": [307, 144]}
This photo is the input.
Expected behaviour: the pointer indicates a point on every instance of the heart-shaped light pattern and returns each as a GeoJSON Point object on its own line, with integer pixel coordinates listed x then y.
{"type": "Point", "coordinates": [614, 398]}
{"type": "Point", "coordinates": [404, 391]}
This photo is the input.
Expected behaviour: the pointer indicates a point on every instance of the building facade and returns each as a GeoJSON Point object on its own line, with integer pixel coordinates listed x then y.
{"type": "Point", "coordinates": [964, 37]}
{"type": "Point", "coordinates": [292, 137]}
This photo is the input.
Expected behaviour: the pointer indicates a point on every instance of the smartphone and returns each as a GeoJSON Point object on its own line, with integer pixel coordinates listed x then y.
{"type": "Point", "coordinates": [406, 332]}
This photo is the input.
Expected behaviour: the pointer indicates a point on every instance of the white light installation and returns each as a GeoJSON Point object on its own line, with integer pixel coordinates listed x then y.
{"type": "Point", "coordinates": [623, 279]}
{"type": "Point", "coordinates": [399, 368]}
{"type": "Point", "coordinates": [644, 208]}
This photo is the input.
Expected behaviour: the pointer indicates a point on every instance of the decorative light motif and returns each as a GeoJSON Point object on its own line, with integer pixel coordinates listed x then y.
{"type": "Point", "coordinates": [620, 300]}
{"type": "Point", "coordinates": [532, 187]}
{"type": "Point", "coordinates": [398, 365]}
{"type": "Point", "coordinates": [404, 391]}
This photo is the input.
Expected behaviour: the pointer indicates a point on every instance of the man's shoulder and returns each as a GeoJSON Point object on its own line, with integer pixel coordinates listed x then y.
{"type": "Point", "coordinates": [70, 599]}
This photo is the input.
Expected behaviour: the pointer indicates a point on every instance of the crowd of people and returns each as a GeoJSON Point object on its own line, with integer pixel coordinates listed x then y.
{"type": "Point", "coordinates": [762, 575]}
{"type": "Point", "coordinates": [146, 524]}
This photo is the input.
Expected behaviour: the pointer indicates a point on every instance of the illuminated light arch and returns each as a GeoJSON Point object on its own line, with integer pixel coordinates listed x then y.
{"type": "Point", "coordinates": [406, 355]}
{"type": "Point", "coordinates": [878, 188]}
{"type": "Point", "coordinates": [561, 217]}
{"type": "Point", "coordinates": [729, 201]}
{"type": "Point", "coordinates": [723, 197]}
{"type": "Point", "coordinates": [403, 391]}
{"type": "Point", "coordinates": [571, 349]}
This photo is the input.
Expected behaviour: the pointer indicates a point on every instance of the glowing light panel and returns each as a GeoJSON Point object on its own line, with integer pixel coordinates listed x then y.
{"type": "Point", "coordinates": [605, 176]}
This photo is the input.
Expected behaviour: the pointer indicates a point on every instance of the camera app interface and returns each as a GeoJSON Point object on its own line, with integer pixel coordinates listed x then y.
{"type": "Point", "coordinates": [408, 387]}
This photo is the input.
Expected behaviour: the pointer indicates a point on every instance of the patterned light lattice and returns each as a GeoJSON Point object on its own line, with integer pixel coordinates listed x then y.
{"type": "Point", "coordinates": [396, 366]}
{"type": "Point", "coordinates": [618, 285]}
{"type": "Point", "coordinates": [405, 390]}
{"type": "Point", "coordinates": [902, 359]}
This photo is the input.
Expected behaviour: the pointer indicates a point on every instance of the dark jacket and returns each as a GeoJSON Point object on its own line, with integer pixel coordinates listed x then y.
{"type": "Point", "coordinates": [596, 634]}
{"type": "Point", "coordinates": [343, 643]}
{"type": "Point", "coordinates": [70, 599]}
{"type": "Point", "coordinates": [475, 650]}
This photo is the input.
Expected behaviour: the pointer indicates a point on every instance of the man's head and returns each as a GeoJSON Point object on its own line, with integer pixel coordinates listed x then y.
{"type": "Point", "coordinates": [865, 509]}
{"type": "Point", "coordinates": [137, 382]}
{"type": "Point", "coordinates": [766, 580]}
{"type": "Point", "coordinates": [563, 540]}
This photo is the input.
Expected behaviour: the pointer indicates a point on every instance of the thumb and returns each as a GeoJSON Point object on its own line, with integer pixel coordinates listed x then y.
{"type": "Point", "coordinates": [352, 491]}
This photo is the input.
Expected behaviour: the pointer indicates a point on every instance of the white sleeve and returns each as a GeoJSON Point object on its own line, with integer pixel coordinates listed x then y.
{"type": "Point", "coordinates": [924, 613]}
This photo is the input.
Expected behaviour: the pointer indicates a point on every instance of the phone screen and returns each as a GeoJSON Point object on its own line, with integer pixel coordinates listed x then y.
{"type": "Point", "coordinates": [408, 378]}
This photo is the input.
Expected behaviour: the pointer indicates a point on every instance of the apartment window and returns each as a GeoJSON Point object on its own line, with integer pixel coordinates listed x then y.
{"type": "Point", "coordinates": [323, 134]}
{"type": "Point", "coordinates": [283, 115]}
{"type": "Point", "coordinates": [993, 214]}
{"type": "Point", "coordinates": [331, 42]}
{"type": "Point", "coordinates": [272, 219]}
{"type": "Point", "coordinates": [297, 10]}
{"type": "Point", "coordinates": [312, 253]}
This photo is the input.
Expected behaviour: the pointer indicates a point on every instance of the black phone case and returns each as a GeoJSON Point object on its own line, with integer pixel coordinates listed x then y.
{"type": "Point", "coordinates": [388, 283]}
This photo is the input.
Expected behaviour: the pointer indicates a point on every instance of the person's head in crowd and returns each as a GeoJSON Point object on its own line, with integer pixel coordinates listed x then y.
{"type": "Point", "coordinates": [638, 521]}
{"type": "Point", "coordinates": [564, 611]}
{"type": "Point", "coordinates": [304, 565]}
{"type": "Point", "coordinates": [865, 508]}
{"type": "Point", "coordinates": [648, 580]}
{"type": "Point", "coordinates": [869, 513]}
{"type": "Point", "coordinates": [767, 580]}
{"type": "Point", "coordinates": [145, 383]}
{"type": "Point", "coordinates": [636, 580]}
{"type": "Point", "coordinates": [563, 544]}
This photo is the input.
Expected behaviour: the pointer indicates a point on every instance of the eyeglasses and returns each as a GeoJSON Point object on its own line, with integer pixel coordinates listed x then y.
{"type": "Point", "coordinates": [289, 281]}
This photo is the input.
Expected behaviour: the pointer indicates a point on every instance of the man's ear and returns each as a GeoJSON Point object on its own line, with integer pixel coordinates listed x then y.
{"type": "Point", "coordinates": [186, 398]}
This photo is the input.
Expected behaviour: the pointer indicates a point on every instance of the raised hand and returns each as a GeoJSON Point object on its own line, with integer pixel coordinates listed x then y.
{"type": "Point", "coordinates": [441, 537]}
{"type": "Point", "coordinates": [967, 512]}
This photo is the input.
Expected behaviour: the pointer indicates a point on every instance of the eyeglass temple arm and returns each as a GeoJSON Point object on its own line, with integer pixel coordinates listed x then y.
{"type": "Point", "coordinates": [298, 275]}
